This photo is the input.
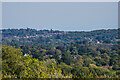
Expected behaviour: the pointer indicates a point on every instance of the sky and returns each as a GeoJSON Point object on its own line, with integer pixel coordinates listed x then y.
{"type": "Point", "coordinates": [65, 16]}
{"type": "Point", "coordinates": [60, 0]}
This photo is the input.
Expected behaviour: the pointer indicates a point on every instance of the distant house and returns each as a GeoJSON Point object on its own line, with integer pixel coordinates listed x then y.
{"type": "Point", "coordinates": [97, 42]}
{"type": "Point", "coordinates": [46, 55]}
{"type": "Point", "coordinates": [75, 57]}
{"type": "Point", "coordinates": [60, 56]}
{"type": "Point", "coordinates": [107, 67]}
{"type": "Point", "coordinates": [16, 37]}
{"type": "Point", "coordinates": [25, 55]}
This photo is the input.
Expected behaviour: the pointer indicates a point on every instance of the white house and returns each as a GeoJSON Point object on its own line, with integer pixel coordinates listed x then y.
{"type": "Point", "coordinates": [25, 55]}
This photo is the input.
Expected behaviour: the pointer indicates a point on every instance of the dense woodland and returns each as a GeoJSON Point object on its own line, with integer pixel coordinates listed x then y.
{"type": "Point", "coordinates": [30, 53]}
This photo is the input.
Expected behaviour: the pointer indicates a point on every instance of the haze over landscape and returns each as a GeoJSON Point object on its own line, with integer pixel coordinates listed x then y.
{"type": "Point", "coordinates": [65, 16]}
{"type": "Point", "coordinates": [54, 40]}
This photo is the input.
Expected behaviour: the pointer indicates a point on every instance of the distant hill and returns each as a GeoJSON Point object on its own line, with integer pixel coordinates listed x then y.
{"type": "Point", "coordinates": [58, 37]}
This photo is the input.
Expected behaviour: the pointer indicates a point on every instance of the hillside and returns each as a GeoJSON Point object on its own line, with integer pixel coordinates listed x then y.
{"type": "Point", "coordinates": [93, 54]}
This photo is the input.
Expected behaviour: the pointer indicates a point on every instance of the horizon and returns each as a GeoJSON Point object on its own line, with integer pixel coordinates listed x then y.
{"type": "Point", "coordinates": [58, 30]}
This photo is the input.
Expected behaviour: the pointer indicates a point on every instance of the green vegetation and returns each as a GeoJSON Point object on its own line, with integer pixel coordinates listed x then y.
{"type": "Point", "coordinates": [28, 53]}
{"type": "Point", "coordinates": [14, 65]}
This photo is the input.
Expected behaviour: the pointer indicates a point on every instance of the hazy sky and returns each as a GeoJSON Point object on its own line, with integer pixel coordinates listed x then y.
{"type": "Point", "coordinates": [60, 15]}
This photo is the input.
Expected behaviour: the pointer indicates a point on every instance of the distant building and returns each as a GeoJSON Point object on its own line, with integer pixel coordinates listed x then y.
{"type": "Point", "coordinates": [25, 55]}
{"type": "Point", "coordinates": [97, 42]}
{"type": "Point", "coordinates": [60, 56]}
{"type": "Point", "coordinates": [75, 57]}
{"type": "Point", "coordinates": [107, 67]}
{"type": "Point", "coordinates": [46, 55]}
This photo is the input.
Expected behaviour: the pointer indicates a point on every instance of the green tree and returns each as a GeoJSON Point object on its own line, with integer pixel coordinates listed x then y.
{"type": "Point", "coordinates": [11, 62]}
{"type": "Point", "coordinates": [67, 58]}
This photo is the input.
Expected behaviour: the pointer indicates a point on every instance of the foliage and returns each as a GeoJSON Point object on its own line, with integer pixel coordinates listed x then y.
{"type": "Point", "coordinates": [59, 54]}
